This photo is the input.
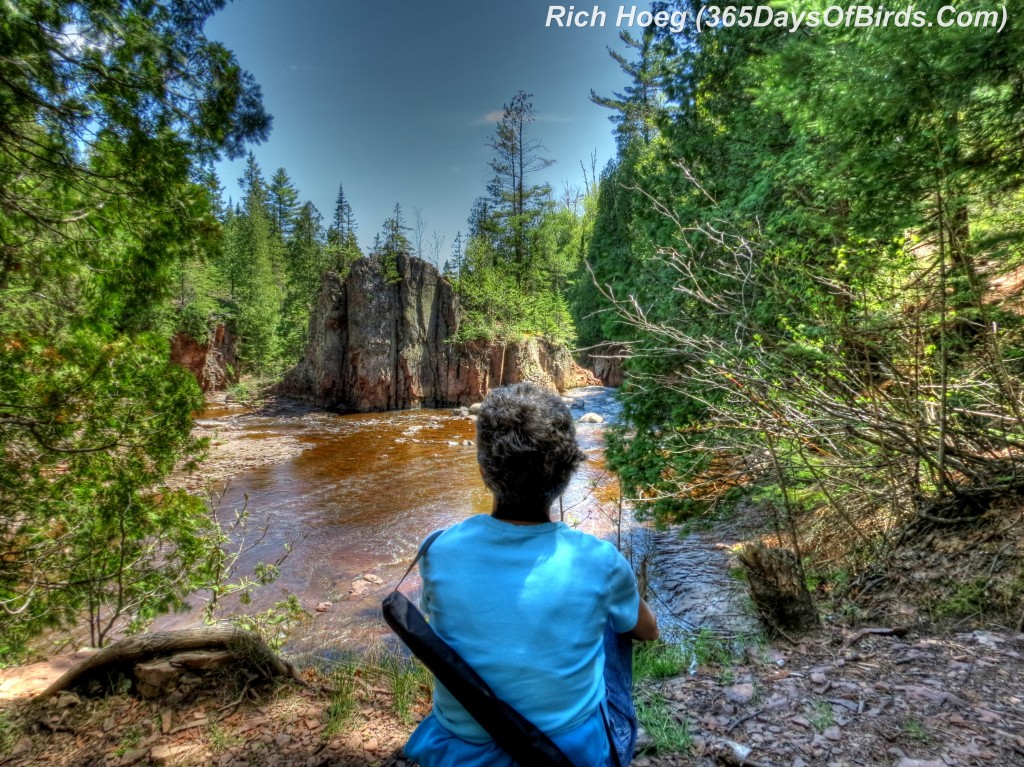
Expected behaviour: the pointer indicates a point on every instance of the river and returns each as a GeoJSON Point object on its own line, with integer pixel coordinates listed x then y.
{"type": "Point", "coordinates": [355, 494]}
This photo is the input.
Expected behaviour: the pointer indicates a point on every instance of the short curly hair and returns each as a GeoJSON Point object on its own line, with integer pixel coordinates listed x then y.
{"type": "Point", "coordinates": [526, 446]}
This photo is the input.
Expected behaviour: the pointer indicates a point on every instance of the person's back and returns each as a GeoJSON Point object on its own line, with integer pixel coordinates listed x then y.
{"type": "Point", "coordinates": [527, 607]}
{"type": "Point", "coordinates": [529, 603]}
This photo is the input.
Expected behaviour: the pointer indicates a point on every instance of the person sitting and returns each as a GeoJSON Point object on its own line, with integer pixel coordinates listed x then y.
{"type": "Point", "coordinates": [546, 614]}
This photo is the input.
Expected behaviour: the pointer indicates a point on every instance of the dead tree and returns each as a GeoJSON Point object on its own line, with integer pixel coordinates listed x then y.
{"type": "Point", "coordinates": [780, 595]}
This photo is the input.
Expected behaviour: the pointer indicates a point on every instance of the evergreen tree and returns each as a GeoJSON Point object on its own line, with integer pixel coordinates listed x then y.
{"type": "Point", "coordinates": [513, 271]}
{"type": "Point", "coordinates": [104, 141]}
{"type": "Point", "coordinates": [344, 221]}
{"type": "Point", "coordinates": [453, 266]}
{"type": "Point", "coordinates": [517, 204]}
{"type": "Point", "coordinates": [283, 201]}
{"type": "Point", "coordinates": [641, 105]}
{"type": "Point", "coordinates": [393, 239]}
{"type": "Point", "coordinates": [256, 285]}
{"type": "Point", "coordinates": [309, 257]}
{"type": "Point", "coordinates": [341, 236]}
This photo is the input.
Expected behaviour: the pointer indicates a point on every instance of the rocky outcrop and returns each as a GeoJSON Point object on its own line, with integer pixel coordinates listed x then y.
{"type": "Point", "coordinates": [606, 360]}
{"type": "Point", "coordinates": [380, 343]}
{"type": "Point", "coordinates": [213, 363]}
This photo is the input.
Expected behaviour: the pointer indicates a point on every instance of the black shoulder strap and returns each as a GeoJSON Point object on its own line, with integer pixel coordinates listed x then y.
{"type": "Point", "coordinates": [422, 550]}
{"type": "Point", "coordinates": [511, 730]}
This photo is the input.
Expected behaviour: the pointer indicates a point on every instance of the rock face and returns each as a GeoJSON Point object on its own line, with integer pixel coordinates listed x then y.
{"type": "Point", "coordinates": [607, 360]}
{"type": "Point", "coordinates": [213, 363]}
{"type": "Point", "coordinates": [380, 344]}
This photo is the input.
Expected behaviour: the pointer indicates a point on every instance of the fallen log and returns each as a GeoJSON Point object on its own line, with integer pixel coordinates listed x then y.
{"type": "Point", "coordinates": [246, 647]}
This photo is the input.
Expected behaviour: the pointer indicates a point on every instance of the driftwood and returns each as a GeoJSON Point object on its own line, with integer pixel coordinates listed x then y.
{"type": "Point", "coordinates": [851, 640]}
{"type": "Point", "coordinates": [246, 647]}
{"type": "Point", "coordinates": [782, 600]}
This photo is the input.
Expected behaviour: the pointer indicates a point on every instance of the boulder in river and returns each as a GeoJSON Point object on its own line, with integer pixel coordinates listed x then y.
{"type": "Point", "coordinates": [377, 342]}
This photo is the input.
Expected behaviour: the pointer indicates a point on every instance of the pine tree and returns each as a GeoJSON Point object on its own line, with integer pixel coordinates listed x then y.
{"type": "Point", "coordinates": [308, 258]}
{"type": "Point", "coordinates": [641, 104]}
{"type": "Point", "coordinates": [394, 241]}
{"type": "Point", "coordinates": [256, 285]}
{"type": "Point", "coordinates": [390, 243]}
{"type": "Point", "coordinates": [344, 222]}
{"type": "Point", "coordinates": [341, 236]}
{"type": "Point", "coordinates": [517, 204]}
{"type": "Point", "coordinates": [453, 266]}
{"type": "Point", "coordinates": [283, 199]}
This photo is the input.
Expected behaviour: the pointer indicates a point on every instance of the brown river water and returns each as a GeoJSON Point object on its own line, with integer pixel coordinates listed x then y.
{"type": "Point", "coordinates": [357, 494]}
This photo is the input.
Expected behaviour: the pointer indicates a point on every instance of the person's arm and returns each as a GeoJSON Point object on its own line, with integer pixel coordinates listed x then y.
{"type": "Point", "coordinates": [646, 628]}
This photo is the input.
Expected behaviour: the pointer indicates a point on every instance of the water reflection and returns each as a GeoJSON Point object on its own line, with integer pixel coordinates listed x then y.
{"type": "Point", "coordinates": [362, 496]}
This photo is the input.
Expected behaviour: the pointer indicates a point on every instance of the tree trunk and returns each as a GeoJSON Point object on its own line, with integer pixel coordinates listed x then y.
{"type": "Point", "coordinates": [782, 600]}
{"type": "Point", "coordinates": [247, 648]}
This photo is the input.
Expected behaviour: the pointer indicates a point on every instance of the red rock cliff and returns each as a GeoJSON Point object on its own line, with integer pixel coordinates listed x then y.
{"type": "Point", "coordinates": [376, 344]}
{"type": "Point", "coordinates": [213, 363]}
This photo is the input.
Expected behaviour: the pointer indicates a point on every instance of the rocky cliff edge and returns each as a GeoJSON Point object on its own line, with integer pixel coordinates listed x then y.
{"type": "Point", "coordinates": [380, 343]}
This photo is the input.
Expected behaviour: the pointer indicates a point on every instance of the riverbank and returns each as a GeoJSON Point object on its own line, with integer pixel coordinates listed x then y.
{"type": "Point", "coordinates": [873, 686]}
{"type": "Point", "coordinates": [842, 696]}
{"type": "Point", "coordinates": [349, 497]}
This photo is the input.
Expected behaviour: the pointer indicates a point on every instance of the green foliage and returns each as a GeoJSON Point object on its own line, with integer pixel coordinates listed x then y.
{"type": "Point", "coordinates": [273, 624]}
{"type": "Point", "coordinates": [283, 204]}
{"type": "Point", "coordinates": [255, 285]}
{"type": "Point", "coordinates": [343, 247]}
{"type": "Point", "coordinates": [343, 705]}
{"type": "Point", "coordinates": [659, 660]}
{"type": "Point", "coordinates": [194, 320]}
{"type": "Point", "coordinates": [796, 241]}
{"type": "Point", "coordinates": [967, 598]}
{"type": "Point", "coordinates": [706, 648]}
{"type": "Point", "coordinates": [515, 271]}
{"type": "Point", "coordinates": [496, 307]}
{"type": "Point", "coordinates": [822, 716]}
{"type": "Point", "coordinates": [130, 738]}
{"type": "Point", "coordinates": [516, 205]}
{"type": "Point", "coordinates": [309, 257]}
{"type": "Point", "coordinates": [103, 422]}
{"type": "Point", "coordinates": [9, 733]}
{"type": "Point", "coordinates": [220, 740]}
{"type": "Point", "coordinates": [915, 730]}
{"type": "Point", "coordinates": [100, 216]}
{"type": "Point", "coordinates": [409, 682]}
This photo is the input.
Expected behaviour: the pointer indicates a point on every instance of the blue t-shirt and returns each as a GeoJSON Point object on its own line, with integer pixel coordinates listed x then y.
{"type": "Point", "coordinates": [527, 606]}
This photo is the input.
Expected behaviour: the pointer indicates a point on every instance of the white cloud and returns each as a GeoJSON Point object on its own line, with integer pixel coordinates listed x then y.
{"type": "Point", "coordinates": [491, 118]}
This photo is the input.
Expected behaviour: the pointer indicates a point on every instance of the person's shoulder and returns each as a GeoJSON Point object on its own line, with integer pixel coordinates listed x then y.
{"type": "Point", "coordinates": [591, 544]}
{"type": "Point", "coordinates": [467, 528]}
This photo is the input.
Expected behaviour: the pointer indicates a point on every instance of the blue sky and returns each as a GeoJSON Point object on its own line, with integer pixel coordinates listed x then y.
{"type": "Point", "coordinates": [397, 100]}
